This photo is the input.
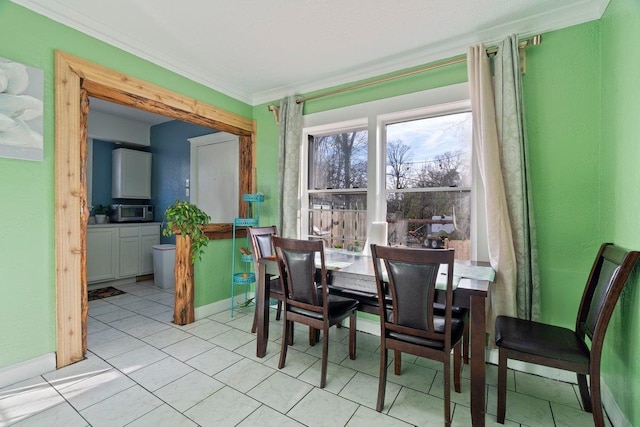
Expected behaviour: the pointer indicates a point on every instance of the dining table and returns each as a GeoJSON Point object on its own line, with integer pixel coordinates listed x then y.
{"type": "Point", "coordinates": [353, 276]}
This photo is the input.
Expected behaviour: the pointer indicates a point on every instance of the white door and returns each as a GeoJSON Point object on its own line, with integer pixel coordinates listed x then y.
{"type": "Point", "coordinates": [215, 164]}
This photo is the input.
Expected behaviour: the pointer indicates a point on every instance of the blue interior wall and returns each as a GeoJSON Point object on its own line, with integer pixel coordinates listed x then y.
{"type": "Point", "coordinates": [170, 167]}
{"type": "Point", "coordinates": [171, 164]}
{"type": "Point", "coordinates": [101, 181]}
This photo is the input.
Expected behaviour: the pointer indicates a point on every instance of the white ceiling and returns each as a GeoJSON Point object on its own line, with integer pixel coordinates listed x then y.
{"type": "Point", "coordinates": [125, 112]}
{"type": "Point", "coordinates": [258, 51]}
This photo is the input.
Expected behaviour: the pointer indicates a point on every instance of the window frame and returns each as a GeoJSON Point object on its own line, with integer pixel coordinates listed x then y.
{"type": "Point", "coordinates": [374, 116]}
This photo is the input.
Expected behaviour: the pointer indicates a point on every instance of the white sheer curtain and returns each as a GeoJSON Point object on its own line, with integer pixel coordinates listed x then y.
{"type": "Point", "coordinates": [289, 165]}
{"type": "Point", "coordinates": [515, 172]}
{"type": "Point", "coordinates": [502, 296]}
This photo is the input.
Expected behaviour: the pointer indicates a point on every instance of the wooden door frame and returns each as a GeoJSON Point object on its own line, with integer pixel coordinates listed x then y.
{"type": "Point", "coordinates": [75, 80]}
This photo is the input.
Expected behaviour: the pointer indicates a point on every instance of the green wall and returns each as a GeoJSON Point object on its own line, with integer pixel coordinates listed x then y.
{"type": "Point", "coordinates": [267, 163]}
{"type": "Point", "coordinates": [620, 191]}
{"type": "Point", "coordinates": [562, 108]}
{"type": "Point", "coordinates": [27, 258]}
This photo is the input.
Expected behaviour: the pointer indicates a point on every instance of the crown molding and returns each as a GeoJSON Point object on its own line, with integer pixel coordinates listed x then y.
{"type": "Point", "coordinates": [558, 18]}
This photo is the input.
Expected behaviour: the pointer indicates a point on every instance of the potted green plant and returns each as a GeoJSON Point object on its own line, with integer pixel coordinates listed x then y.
{"type": "Point", "coordinates": [187, 219]}
{"type": "Point", "coordinates": [100, 212]}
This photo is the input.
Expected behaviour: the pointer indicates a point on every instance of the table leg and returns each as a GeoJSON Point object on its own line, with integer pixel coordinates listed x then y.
{"type": "Point", "coordinates": [262, 307]}
{"type": "Point", "coordinates": [478, 379]}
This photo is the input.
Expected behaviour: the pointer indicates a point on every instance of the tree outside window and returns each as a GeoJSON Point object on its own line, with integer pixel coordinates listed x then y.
{"type": "Point", "coordinates": [338, 189]}
{"type": "Point", "coordinates": [428, 173]}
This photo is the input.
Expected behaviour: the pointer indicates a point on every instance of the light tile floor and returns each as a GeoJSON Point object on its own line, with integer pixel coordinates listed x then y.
{"type": "Point", "coordinates": [142, 370]}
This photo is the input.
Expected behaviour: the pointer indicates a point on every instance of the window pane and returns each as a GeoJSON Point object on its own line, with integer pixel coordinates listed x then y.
{"type": "Point", "coordinates": [431, 152]}
{"type": "Point", "coordinates": [338, 160]}
{"type": "Point", "coordinates": [339, 219]}
{"type": "Point", "coordinates": [428, 184]}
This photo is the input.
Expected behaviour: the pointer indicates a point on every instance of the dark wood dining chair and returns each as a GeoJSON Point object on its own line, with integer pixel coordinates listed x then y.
{"type": "Point", "coordinates": [565, 348]}
{"type": "Point", "coordinates": [262, 247]}
{"type": "Point", "coordinates": [408, 322]}
{"type": "Point", "coordinates": [307, 303]}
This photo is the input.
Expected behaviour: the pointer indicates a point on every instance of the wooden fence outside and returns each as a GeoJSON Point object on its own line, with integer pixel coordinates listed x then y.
{"type": "Point", "coordinates": [346, 229]}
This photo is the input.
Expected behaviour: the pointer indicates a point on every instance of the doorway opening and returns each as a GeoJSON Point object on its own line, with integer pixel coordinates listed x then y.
{"type": "Point", "coordinates": [75, 80]}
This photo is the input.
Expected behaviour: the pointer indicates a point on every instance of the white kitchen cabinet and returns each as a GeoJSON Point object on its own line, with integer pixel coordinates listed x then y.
{"type": "Point", "coordinates": [149, 236]}
{"type": "Point", "coordinates": [101, 254]}
{"type": "Point", "coordinates": [131, 174]}
{"type": "Point", "coordinates": [129, 245]}
{"type": "Point", "coordinates": [120, 251]}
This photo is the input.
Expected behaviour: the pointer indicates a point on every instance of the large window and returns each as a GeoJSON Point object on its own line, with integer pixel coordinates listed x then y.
{"type": "Point", "coordinates": [428, 181]}
{"type": "Point", "coordinates": [405, 160]}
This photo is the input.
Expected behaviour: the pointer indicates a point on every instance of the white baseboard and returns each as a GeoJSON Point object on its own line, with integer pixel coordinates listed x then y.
{"type": "Point", "coordinates": [611, 407]}
{"type": "Point", "coordinates": [211, 309]}
{"type": "Point", "coordinates": [27, 369]}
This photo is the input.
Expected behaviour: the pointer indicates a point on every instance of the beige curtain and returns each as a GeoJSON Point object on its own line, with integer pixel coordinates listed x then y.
{"type": "Point", "coordinates": [289, 165]}
{"type": "Point", "coordinates": [502, 295]}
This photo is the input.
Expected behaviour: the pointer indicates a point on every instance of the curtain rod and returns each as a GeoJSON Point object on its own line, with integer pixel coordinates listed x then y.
{"type": "Point", "coordinates": [534, 41]}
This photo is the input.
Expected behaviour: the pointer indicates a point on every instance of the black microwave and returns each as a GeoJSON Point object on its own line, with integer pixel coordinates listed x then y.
{"type": "Point", "coordinates": [131, 213]}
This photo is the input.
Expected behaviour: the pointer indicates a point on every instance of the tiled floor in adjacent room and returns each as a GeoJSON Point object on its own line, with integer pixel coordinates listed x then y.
{"type": "Point", "coordinates": [142, 370]}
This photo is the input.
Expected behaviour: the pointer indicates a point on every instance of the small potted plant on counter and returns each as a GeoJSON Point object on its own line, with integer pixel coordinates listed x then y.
{"type": "Point", "coordinates": [100, 213]}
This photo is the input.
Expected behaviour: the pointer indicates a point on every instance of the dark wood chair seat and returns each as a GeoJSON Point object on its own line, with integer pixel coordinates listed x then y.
{"type": "Point", "coordinates": [338, 306]}
{"type": "Point", "coordinates": [542, 340]}
{"type": "Point", "coordinates": [457, 330]}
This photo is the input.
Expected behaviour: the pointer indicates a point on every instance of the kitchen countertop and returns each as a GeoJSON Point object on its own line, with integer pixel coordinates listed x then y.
{"type": "Point", "coordinates": [122, 224]}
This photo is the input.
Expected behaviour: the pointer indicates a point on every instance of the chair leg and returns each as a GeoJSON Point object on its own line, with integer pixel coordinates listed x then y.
{"type": "Point", "coordinates": [457, 366]}
{"type": "Point", "coordinates": [279, 310]}
{"type": "Point", "coordinates": [596, 403]}
{"type": "Point", "coordinates": [502, 386]}
{"type": "Point", "coordinates": [286, 333]}
{"type": "Point", "coordinates": [397, 362]}
{"type": "Point", "coordinates": [290, 333]}
{"type": "Point", "coordinates": [352, 336]}
{"type": "Point", "coordinates": [447, 392]}
{"type": "Point", "coordinates": [382, 381]}
{"type": "Point", "coordinates": [313, 336]}
{"type": "Point", "coordinates": [255, 321]}
{"type": "Point", "coordinates": [255, 317]}
{"type": "Point", "coordinates": [325, 352]}
{"type": "Point", "coordinates": [465, 342]}
{"type": "Point", "coordinates": [584, 392]}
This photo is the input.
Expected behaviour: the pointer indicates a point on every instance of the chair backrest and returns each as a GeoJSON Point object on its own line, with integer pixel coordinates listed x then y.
{"type": "Point", "coordinates": [609, 274]}
{"type": "Point", "coordinates": [297, 265]}
{"type": "Point", "coordinates": [412, 276]}
{"type": "Point", "coordinates": [261, 242]}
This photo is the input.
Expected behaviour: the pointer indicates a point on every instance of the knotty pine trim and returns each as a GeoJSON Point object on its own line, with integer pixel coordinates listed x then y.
{"type": "Point", "coordinates": [72, 76]}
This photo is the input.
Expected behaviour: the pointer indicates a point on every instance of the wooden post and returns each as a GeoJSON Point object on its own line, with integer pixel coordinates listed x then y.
{"type": "Point", "coordinates": [84, 215]}
{"type": "Point", "coordinates": [183, 312]}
